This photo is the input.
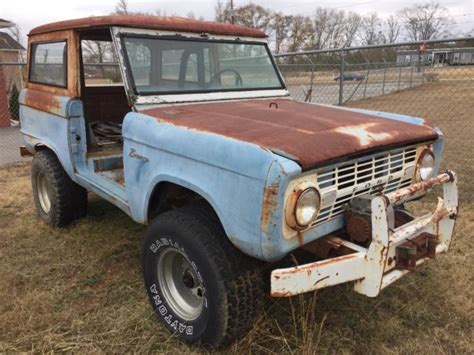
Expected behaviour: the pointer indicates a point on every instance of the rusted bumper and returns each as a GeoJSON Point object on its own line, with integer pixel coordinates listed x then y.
{"type": "Point", "coordinates": [385, 260]}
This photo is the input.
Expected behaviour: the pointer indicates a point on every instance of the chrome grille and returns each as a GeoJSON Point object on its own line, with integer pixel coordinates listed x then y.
{"type": "Point", "coordinates": [384, 171]}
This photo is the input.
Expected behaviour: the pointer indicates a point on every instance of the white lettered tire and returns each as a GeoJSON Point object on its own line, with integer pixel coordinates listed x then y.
{"type": "Point", "coordinates": [201, 287]}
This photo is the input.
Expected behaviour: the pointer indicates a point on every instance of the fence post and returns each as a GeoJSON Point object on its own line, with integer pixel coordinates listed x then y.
{"type": "Point", "coordinates": [384, 77]}
{"type": "Point", "coordinates": [423, 76]}
{"type": "Point", "coordinates": [4, 111]}
{"type": "Point", "coordinates": [341, 79]}
{"type": "Point", "coordinates": [367, 79]}
{"type": "Point", "coordinates": [399, 78]}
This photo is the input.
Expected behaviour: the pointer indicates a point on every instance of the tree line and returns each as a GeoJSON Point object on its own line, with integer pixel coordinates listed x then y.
{"type": "Point", "coordinates": [323, 27]}
{"type": "Point", "coordinates": [332, 28]}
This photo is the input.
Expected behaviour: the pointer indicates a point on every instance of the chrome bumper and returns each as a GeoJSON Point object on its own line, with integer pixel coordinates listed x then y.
{"type": "Point", "coordinates": [377, 266]}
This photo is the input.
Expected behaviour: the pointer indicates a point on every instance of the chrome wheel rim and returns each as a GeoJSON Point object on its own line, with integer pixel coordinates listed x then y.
{"type": "Point", "coordinates": [180, 284]}
{"type": "Point", "coordinates": [42, 192]}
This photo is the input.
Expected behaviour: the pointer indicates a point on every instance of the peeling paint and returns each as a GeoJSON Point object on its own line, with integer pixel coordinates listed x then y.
{"type": "Point", "coordinates": [43, 101]}
{"type": "Point", "coordinates": [417, 188]}
{"type": "Point", "coordinates": [270, 205]}
{"type": "Point", "coordinates": [313, 134]}
{"type": "Point", "coordinates": [363, 134]}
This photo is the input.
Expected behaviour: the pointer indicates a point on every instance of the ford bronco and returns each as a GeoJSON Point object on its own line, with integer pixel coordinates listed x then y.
{"type": "Point", "coordinates": [188, 127]}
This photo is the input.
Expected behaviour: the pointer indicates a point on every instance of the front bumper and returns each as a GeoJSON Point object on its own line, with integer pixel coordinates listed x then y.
{"type": "Point", "coordinates": [376, 267]}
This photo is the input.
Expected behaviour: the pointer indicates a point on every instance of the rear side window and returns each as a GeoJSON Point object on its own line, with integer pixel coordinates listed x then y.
{"type": "Point", "coordinates": [49, 63]}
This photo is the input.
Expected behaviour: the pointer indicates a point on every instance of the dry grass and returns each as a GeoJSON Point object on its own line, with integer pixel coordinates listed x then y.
{"type": "Point", "coordinates": [390, 76]}
{"type": "Point", "coordinates": [80, 288]}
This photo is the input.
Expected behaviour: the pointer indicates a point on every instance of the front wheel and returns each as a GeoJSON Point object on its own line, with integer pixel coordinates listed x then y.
{"type": "Point", "coordinates": [201, 287]}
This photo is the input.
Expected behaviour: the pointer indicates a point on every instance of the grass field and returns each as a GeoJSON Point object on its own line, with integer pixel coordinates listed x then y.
{"type": "Point", "coordinates": [390, 76]}
{"type": "Point", "coordinates": [80, 288]}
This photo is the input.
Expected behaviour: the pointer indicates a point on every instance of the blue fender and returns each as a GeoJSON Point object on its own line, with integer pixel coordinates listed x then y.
{"type": "Point", "coordinates": [228, 173]}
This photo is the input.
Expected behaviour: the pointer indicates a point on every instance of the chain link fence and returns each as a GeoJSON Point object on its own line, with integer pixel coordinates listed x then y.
{"type": "Point", "coordinates": [434, 80]}
{"type": "Point", "coordinates": [11, 82]}
{"type": "Point", "coordinates": [357, 76]}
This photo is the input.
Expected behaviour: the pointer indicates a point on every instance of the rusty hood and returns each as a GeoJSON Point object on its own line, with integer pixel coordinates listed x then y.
{"type": "Point", "coordinates": [310, 134]}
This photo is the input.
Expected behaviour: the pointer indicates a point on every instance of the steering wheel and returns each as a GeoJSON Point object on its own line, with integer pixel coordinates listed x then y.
{"type": "Point", "coordinates": [238, 77]}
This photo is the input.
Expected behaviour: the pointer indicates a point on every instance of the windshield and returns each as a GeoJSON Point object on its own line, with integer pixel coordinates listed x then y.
{"type": "Point", "coordinates": [174, 66]}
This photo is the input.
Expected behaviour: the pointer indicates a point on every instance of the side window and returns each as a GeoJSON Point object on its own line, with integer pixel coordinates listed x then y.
{"type": "Point", "coordinates": [100, 63]}
{"type": "Point", "coordinates": [49, 63]}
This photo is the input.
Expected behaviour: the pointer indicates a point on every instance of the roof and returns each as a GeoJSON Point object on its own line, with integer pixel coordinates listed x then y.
{"type": "Point", "coordinates": [180, 24]}
{"type": "Point", "coordinates": [7, 42]}
{"type": "Point", "coordinates": [5, 23]}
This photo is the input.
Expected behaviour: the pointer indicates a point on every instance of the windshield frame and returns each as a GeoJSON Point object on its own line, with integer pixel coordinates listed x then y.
{"type": "Point", "coordinates": [178, 37]}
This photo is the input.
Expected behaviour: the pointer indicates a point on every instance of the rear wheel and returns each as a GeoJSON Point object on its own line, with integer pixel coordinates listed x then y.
{"type": "Point", "coordinates": [201, 287]}
{"type": "Point", "coordinates": [58, 199]}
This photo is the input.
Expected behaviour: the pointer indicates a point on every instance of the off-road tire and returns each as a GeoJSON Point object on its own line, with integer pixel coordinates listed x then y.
{"type": "Point", "coordinates": [68, 201]}
{"type": "Point", "coordinates": [233, 284]}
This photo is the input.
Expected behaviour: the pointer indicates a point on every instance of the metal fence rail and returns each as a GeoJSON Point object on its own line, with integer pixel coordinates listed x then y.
{"type": "Point", "coordinates": [340, 75]}
{"type": "Point", "coordinates": [411, 78]}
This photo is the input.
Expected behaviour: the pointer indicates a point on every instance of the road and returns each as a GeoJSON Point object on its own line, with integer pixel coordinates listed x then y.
{"type": "Point", "coordinates": [353, 90]}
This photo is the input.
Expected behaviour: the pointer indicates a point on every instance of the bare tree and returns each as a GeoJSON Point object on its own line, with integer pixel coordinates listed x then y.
{"type": "Point", "coordinates": [280, 25]}
{"type": "Point", "coordinates": [391, 29]}
{"type": "Point", "coordinates": [223, 11]}
{"type": "Point", "coordinates": [16, 34]}
{"type": "Point", "coordinates": [371, 30]}
{"type": "Point", "coordinates": [327, 28]}
{"type": "Point", "coordinates": [425, 21]}
{"type": "Point", "coordinates": [121, 8]}
{"type": "Point", "coordinates": [97, 52]}
{"type": "Point", "coordinates": [351, 27]}
{"type": "Point", "coordinates": [299, 32]}
{"type": "Point", "coordinates": [252, 15]}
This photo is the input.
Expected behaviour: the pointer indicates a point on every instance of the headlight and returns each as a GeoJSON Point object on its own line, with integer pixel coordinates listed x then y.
{"type": "Point", "coordinates": [425, 165]}
{"type": "Point", "coordinates": [307, 207]}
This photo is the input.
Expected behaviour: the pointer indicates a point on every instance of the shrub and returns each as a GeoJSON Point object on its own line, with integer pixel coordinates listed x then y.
{"type": "Point", "coordinates": [13, 104]}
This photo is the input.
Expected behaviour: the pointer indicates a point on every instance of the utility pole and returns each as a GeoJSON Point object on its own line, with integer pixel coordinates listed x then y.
{"type": "Point", "coordinates": [232, 18]}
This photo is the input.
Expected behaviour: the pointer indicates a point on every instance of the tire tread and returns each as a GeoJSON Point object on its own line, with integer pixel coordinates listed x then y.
{"type": "Point", "coordinates": [69, 198]}
{"type": "Point", "coordinates": [241, 276]}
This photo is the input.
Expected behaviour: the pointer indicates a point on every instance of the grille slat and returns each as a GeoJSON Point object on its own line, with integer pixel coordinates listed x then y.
{"type": "Point", "coordinates": [382, 171]}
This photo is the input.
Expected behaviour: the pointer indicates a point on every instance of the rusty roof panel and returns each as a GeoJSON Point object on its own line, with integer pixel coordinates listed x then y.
{"type": "Point", "coordinates": [313, 134]}
{"type": "Point", "coordinates": [180, 24]}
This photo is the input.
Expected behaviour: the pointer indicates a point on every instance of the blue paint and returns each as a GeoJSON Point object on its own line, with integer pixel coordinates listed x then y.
{"type": "Point", "coordinates": [228, 173]}
{"type": "Point", "coordinates": [50, 130]}
{"type": "Point", "coordinates": [392, 116]}
{"type": "Point", "coordinates": [231, 175]}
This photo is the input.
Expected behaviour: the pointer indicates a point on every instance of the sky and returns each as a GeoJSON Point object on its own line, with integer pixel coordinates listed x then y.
{"type": "Point", "coordinates": [31, 13]}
